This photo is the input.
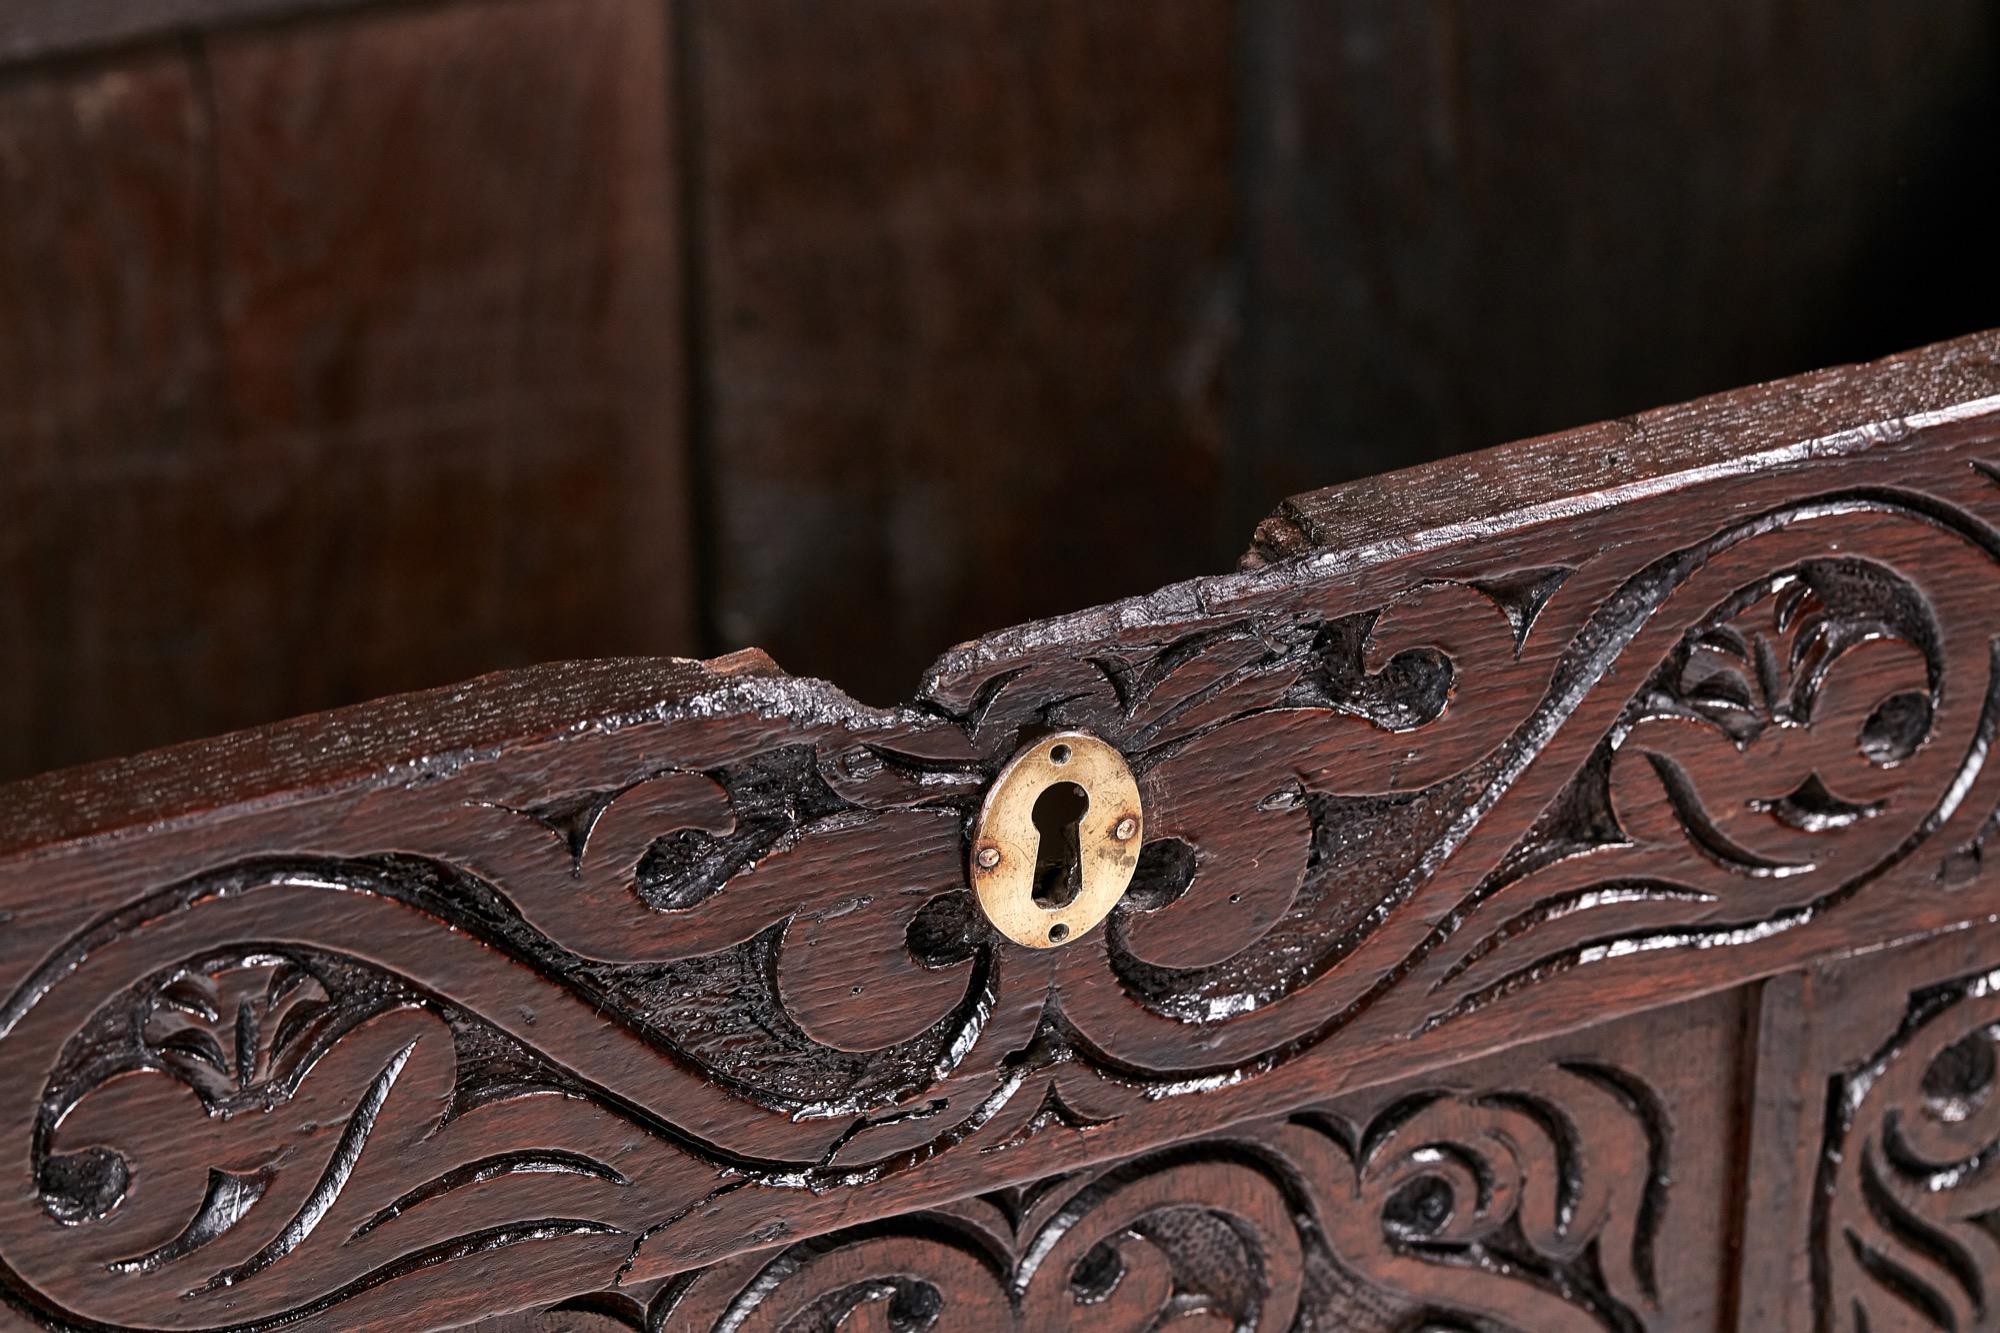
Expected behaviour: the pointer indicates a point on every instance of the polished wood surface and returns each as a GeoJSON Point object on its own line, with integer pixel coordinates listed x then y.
{"type": "Point", "coordinates": [1527, 841]}
{"type": "Point", "coordinates": [312, 392]}
{"type": "Point", "coordinates": [350, 347]}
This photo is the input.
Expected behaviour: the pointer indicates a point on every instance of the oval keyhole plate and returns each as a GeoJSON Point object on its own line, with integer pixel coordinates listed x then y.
{"type": "Point", "coordinates": [1073, 791]}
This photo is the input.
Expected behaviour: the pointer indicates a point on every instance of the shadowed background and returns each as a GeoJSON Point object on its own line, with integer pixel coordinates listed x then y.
{"type": "Point", "coordinates": [348, 348]}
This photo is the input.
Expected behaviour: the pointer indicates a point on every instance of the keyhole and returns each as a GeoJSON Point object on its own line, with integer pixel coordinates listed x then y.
{"type": "Point", "coordinates": [1058, 855]}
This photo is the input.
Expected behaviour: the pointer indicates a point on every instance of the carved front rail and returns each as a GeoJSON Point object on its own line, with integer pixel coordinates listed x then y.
{"type": "Point", "coordinates": [659, 988]}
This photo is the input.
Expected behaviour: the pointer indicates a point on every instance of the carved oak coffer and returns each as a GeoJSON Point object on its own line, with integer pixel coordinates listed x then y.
{"type": "Point", "coordinates": [1544, 890]}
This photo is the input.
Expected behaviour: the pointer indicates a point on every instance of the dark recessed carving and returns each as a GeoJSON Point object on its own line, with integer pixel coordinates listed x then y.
{"type": "Point", "coordinates": [716, 966]}
{"type": "Point", "coordinates": [1525, 1199]}
{"type": "Point", "coordinates": [1905, 1219]}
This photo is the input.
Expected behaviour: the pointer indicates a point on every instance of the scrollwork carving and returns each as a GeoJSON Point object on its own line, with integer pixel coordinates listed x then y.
{"type": "Point", "coordinates": [723, 950]}
{"type": "Point", "coordinates": [1906, 1218]}
{"type": "Point", "coordinates": [1507, 1209]}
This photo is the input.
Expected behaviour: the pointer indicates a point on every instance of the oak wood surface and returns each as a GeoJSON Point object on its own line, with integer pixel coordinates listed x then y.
{"type": "Point", "coordinates": [966, 314]}
{"type": "Point", "coordinates": [1568, 1185]}
{"type": "Point", "coordinates": [1465, 223]}
{"type": "Point", "coordinates": [107, 340]}
{"type": "Point", "coordinates": [789, 317]}
{"type": "Point", "coordinates": [312, 392]}
{"type": "Point", "coordinates": [579, 979]}
{"type": "Point", "coordinates": [1872, 1132]}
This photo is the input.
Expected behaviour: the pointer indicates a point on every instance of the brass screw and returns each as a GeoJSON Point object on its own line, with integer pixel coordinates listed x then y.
{"type": "Point", "coordinates": [1125, 829]}
{"type": "Point", "coordinates": [987, 857]}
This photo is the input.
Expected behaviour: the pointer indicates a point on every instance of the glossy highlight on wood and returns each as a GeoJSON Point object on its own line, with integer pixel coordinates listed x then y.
{"type": "Point", "coordinates": [1542, 1191]}
{"type": "Point", "coordinates": [585, 983]}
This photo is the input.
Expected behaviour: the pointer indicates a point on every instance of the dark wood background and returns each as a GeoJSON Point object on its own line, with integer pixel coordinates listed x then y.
{"type": "Point", "coordinates": [348, 348]}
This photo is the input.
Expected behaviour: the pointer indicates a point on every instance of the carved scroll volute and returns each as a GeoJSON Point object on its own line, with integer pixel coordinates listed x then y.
{"type": "Point", "coordinates": [1549, 1200]}
{"type": "Point", "coordinates": [1908, 1195]}
{"type": "Point", "coordinates": [695, 952]}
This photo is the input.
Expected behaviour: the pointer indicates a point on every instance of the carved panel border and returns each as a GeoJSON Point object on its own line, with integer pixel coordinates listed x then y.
{"type": "Point", "coordinates": [1578, 1185]}
{"type": "Point", "coordinates": [597, 975]}
{"type": "Point", "coordinates": [1876, 1134]}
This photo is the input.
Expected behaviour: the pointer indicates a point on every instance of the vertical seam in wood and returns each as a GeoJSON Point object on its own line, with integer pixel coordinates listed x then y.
{"type": "Point", "coordinates": [1241, 506]}
{"type": "Point", "coordinates": [686, 137]}
{"type": "Point", "coordinates": [1768, 1056]}
{"type": "Point", "coordinates": [1749, 1041]}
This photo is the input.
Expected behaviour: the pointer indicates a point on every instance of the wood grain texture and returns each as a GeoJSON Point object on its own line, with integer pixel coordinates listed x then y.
{"type": "Point", "coordinates": [487, 341]}
{"type": "Point", "coordinates": [968, 306]}
{"type": "Point", "coordinates": [1875, 1142]}
{"type": "Point", "coordinates": [1570, 1185]}
{"type": "Point", "coordinates": [107, 391]}
{"type": "Point", "coordinates": [353, 368]}
{"type": "Point", "coordinates": [1469, 222]}
{"type": "Point", "coordinates": [979, 294]}
{"type": "Point", "coordinates": [576, 981]}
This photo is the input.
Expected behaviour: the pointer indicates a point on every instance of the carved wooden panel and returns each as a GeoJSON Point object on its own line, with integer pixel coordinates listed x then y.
{"type": "Point", "coordinates": [581, 978]}
{"type": "Point", "coordinates": [1572, 1185]}
{"type": "Point", "coordinates": [1877, 1134]}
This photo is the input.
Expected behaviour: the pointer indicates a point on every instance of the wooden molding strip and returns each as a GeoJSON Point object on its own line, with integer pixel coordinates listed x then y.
{"type": "Point", "coordinates": [590, 975]}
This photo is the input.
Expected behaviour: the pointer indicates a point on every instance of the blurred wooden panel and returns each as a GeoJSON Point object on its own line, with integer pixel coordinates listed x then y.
{"type": "Point", "coordinates": [1472, 222]}
{"type": "Point", "coordinates": [107, 403]}
{"type": "Point", "coordinates": [33, 29]}
{"type": "Point", "coordinates": [342, 341]}
{"type": "Point", "coordinates": [443, 326]}
{"type": "Point", "coordinates": [969, 296]}
{"type": "Point", "coordinates": [450, 298]}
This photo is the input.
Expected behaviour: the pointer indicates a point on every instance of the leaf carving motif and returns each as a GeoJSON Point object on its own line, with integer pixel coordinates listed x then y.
{"type": "Point", "coordinates": [1350, 813]}
{"type": "Point", "coordinates": [1906, 1216]}
{"type": "Point", "coordinates": [1488, 1211]}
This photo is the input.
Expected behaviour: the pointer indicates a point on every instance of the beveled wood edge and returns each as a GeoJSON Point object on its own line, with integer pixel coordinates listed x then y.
{"type": "Point", "coordinates": [399, 738]}
{"type": "Point", "coordinates": [1838, 410]}
{"type": "Point", "coordinates": [418, 736]}
{"type": "Point", "coordinates": [429, 747]}
{"type": "Point", "coordinates": [1476, 496]}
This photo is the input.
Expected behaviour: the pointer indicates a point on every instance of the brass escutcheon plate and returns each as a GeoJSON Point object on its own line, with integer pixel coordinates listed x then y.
{"type": "Point", "coordinates": [1006, 844]}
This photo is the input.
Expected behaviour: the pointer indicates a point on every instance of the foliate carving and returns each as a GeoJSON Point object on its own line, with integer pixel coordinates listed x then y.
{"type": "Point", "coordinates": [309, 1083]}
{"type": "Point", "coordinates": [1535, 1208]}
{"type": "Point", "coordinates": [1906, 1221]}
{"type": "Point", "coordinates": [694, 963]}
